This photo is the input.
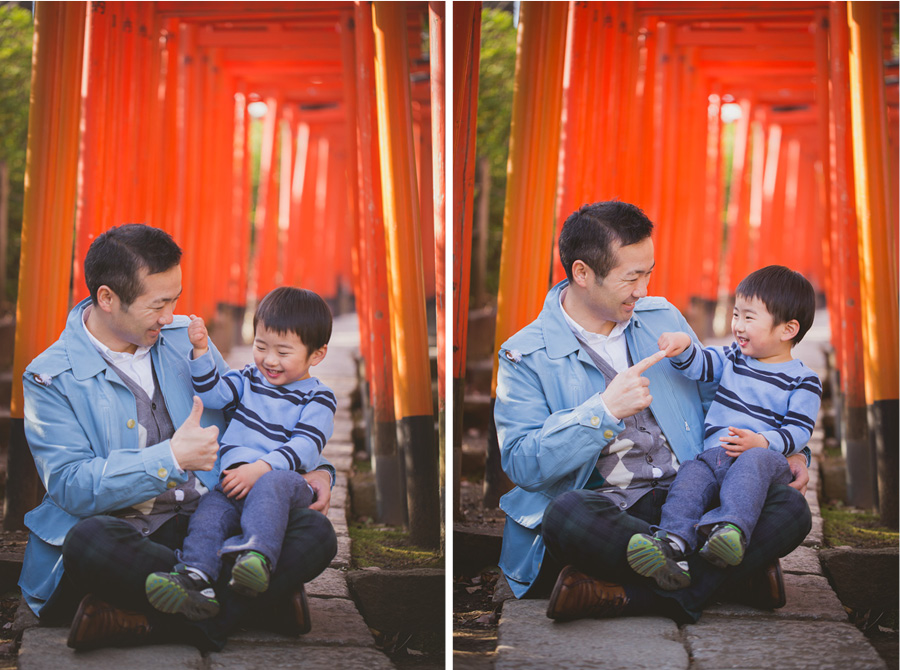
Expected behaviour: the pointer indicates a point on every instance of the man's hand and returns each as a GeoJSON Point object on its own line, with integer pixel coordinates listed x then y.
{"type": "Point", "coordinates": [629, 393]}
{"type": "Point", "coordinates": [198, 336]}
{"type": "Point", "coordinates": [238, 481]}
{"type": "Point", "coordinates": [673, 343]}
{"type": "Point", "coordinates": [741, 439]}
{"type": "Point", "coordinates": [194, 447]}
{"type": "Point", "coordinates": [320, 481]}
{"type": "Point", "coordinates": [797, 464]}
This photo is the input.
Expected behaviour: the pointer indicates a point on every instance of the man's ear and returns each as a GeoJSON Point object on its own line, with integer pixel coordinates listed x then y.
{"type": "Point", "coordinates": [318, 355]}
{"type": "Point", "coordinates": [789, 330]}
{"type": "Point", "coordinates": [105, 298]}
{"type": "Point", "coordinates": [580, 272]}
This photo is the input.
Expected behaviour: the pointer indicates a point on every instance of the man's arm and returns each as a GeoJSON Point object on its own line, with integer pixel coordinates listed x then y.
{"type": "Point", "coordinates": [539, 447]}
{"type": "Point", "coordinates": [76, 475]}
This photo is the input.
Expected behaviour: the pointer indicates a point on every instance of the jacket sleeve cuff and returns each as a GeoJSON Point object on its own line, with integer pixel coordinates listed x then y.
{"type": "Point", "coordinates": [594, 414]}
{"type": "Point", "coordinates": [160, 463]}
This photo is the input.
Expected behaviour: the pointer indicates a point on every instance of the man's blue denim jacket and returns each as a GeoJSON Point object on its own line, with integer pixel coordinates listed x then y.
{"type": "Point", "coordinates": [551, 424]}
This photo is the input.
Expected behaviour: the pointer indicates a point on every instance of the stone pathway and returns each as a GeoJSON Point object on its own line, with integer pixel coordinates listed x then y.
{"type": "Point", "coordinates": [810, 633]}
{"type": "Point", "coordinates": [339, 636]}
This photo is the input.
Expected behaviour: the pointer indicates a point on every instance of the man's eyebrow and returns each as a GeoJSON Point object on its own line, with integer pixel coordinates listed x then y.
{"type": "Point", "coordinates": [637, 271]}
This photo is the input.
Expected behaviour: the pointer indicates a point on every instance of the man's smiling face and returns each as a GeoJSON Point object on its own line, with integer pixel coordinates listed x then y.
{"type": "Point", "coordinates": [611, 299]}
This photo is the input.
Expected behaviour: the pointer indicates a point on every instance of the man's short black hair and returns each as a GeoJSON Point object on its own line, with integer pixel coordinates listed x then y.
{"type": "Point", "coordinates": [296, 310]}
{"type": "Point", "coordinates": [786, 294]}
{"type": "Point", "coordinates": [590, 234]}
{"type": "Point", "coordinates": [116, 258]}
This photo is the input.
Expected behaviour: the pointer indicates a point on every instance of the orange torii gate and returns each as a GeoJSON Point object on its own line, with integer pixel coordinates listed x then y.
{"type": "Point", "coordinates": [164, 107]}
{"type": "Point", "coordinates": [643, 86]}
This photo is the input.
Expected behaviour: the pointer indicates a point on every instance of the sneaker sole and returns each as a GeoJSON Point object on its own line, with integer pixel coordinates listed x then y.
{"type": "Point", "coordinates": [646, 559]}
{"type": "Point", "coordinates": [171, 598]}
{"type": "Point", "coordinates": [249, 577]}
{"type": "Point", "coordinates": [724, 549]}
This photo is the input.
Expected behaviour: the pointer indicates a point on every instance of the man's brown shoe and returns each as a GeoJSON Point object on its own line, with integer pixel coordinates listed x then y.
{"type": "Point", "coordinates": [763, 589]}
{"type": "Point", "coordinates": [578, 596]}
{"type": "Point", "coordinates": [766, 587]}
{"type": "Point", "coordinates": [302, 621]}
{"type": "Point", "coordinates": [99, 624]}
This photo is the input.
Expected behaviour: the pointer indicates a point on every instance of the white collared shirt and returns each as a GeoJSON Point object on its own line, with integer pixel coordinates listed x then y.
{"type": "Point", "coordinates": [611, 348]}
{"type": "Point", "coordinates": [137, 366]}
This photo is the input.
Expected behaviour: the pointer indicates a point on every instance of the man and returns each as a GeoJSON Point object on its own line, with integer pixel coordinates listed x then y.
{"type": "Point", "coordinates": [101, 409]}
{"type": "Point", "coordinates": [592, 452]}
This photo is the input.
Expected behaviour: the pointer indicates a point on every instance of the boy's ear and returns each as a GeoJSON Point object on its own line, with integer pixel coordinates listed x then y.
{"type": "Point", "coordinates": [316, 357]}
{"type": "Point", "coordinates": [789, 330]}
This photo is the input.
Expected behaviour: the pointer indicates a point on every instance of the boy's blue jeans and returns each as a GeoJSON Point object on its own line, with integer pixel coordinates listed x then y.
{"type": "Point", "coordinates": [739, 486]}
{"type": "Point", "coordinates": [222, 525]}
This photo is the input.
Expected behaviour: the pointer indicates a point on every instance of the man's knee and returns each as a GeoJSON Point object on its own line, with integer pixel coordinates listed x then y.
{"type": "Point", "coordinates": [791, 506]}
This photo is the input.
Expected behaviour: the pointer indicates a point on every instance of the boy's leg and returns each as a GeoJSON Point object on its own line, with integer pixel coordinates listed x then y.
{"type": "Point", "coordinates": [693, 492]}
{"type": "Point", "coordinates": [217, 518]}
{"type": "Point", "coordinates": [745, 487]}
{"type": "Point", "coordinates": [264, 518]}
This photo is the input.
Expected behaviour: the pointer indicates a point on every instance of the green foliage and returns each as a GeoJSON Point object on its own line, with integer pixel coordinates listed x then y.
{"type": "Point", "coordinates": [16, 29]}
{"type": "Point", "coordinates": [495, 95]}
{"type": "Point", "coordinates": [388, 547]}
{"type": "Point", "coordinates": [847, 526]}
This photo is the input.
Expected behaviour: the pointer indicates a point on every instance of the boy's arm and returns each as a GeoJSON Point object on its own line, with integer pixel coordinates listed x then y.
{"type": "Point", "coordinates": [302, 453]}
{"type": "Point", "coordinates": [693, 361]}
{"type": "Point", "coordinates": [215, 390]}
{"type": "Point", "coordinates": [799, 420]}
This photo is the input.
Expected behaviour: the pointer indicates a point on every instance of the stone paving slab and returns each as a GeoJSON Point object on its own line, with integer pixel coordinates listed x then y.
{"type": "Point", "coordinates": [346, 658]}
{"type": "Point", "coordinates": [330, 584]}
{"type": "Point", "coordinates": [342, 558]}
{"type": "Point", "coordinates": [815, 537]}
{"type": "Point", "coordinates": [803, 560]}
{"type": "Point", "coordinates": [809, 597]}
{"type": "Point", "coordinates": [717, 643]}
{"type": "Point", "coordinates": [44, 648]}
{"type": "Point", "coordinates": [528, 640]}
{"type": "Point", "coordinates": [335, 622]}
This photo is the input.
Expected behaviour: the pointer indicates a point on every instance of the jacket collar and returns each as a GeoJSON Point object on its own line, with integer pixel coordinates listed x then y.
{"type": "Point", "coordinates": [85, 360]}
{"type": "Point", "coordinates": [559, 340]}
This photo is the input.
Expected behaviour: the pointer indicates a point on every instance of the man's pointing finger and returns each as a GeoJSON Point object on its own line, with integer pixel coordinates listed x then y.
{"type": "Point", "coordinates": [642, 366]}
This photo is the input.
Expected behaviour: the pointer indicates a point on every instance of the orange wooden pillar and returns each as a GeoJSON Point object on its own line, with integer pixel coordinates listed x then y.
{"type": "Point", "coordinates": [436, 34]}
{"type": "Point", "coordinates": [530, 189]}
{"type": "Point", "coordinates": [878, 254]}
{"type": "Point", "coordinates": [49, 208]}
{"type": "Point", "coordinates": [466, 59]}
{"type": "Point", "coordinates": [390, 485]}
{"type": "Point", "coordinates": [846, 301]}
{"type": "Point", "coordinates": [266, 262]}
{"type": "Point", "coordinates": [409, 333]}
{"type": "Point", "coordinates": [89, 219]}
{"type": "Point", "coordinates": [582, 116]}
{"type": "Point", "coordinates": [736, 213]}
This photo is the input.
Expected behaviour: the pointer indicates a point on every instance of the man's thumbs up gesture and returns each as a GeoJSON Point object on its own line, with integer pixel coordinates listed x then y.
{"type": "Point", "coordinates": [194, 447]}
{"type": "Point", "coordinates": [629, 393]}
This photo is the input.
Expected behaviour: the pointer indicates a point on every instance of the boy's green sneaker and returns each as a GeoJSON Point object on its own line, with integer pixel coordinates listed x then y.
{"type": "Point", "coordinates": [250, 574]}
{"type": "Point", "coordinates": [725, 545]}
{"type": "Point", "coordinates": [661, 560]}
{"type": "Point", "coordinates": [181, 592]}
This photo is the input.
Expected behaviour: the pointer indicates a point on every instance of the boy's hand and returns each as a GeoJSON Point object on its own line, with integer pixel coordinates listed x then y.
{"type": "Point", "coordinates": [673, 343]}
{"type": "Point", "coordinates": [198, 335]}
{"type": "Point", "coordinates": [238, 481]}
{"type": "Point", "coordinates": [740, 440]}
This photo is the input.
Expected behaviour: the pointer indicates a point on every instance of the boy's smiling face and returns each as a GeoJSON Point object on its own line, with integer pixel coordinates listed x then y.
{"type": "Point", "coordinates": [756, 333]}
{"type": "Point", "coordinates": [282, 358]}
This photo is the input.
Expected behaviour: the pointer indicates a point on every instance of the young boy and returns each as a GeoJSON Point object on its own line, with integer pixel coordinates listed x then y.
{"type": "Point", "coordinates": [281, 418]}
{"type": "Point", "coordinates": [764, 410]}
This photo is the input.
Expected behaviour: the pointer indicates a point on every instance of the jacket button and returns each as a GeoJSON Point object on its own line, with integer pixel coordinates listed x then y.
{"type": "Point", "coordinates": [595, 420]}
{"type": "Point", "coordinates": [171, 483]}
{"type": "Point", "coordinates": [130, 423]}
{"type": "Point", "coordinates": [608, 434]}
{"type": "Point", "coordinates": [162, 472]}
